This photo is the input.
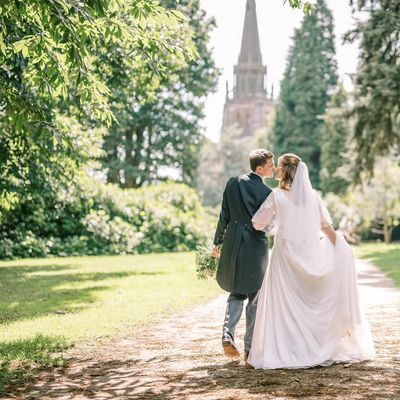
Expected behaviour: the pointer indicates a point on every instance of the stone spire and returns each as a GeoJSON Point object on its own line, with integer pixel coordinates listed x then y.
{"type": "Point", "coordinates": [249, 72]}
{"type": "Point", "coordinates": [250, 51]}
{"type": "Point", "coordinates": [247, 105]}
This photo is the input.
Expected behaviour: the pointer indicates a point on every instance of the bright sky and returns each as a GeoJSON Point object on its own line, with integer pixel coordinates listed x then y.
{"type": "Point", "coordinates": [276, 23]}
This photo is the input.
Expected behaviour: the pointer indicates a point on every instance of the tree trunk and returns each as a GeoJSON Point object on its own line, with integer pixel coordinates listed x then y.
{"type": "Point", "coordinates": [386, 230]}
{"type": "Point", "coordinates": [133, 160]}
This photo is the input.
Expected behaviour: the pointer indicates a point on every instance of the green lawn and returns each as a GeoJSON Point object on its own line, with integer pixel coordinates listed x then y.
{"type": "Point", "coordinates": [49, 304]}
{"type": "Point", "coordinates": [385, 256]}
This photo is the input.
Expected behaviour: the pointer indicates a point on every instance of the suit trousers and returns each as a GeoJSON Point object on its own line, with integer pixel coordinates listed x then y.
{"type": "Point", "coordinates": [233, 313]}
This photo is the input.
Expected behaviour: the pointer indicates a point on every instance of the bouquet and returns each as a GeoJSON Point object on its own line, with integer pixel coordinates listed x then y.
{"type": "Point", "coordinates": [206, 263]}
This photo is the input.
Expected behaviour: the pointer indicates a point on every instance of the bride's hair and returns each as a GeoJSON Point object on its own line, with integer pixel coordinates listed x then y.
{"type": "Point", "coordinates": [289, 163]}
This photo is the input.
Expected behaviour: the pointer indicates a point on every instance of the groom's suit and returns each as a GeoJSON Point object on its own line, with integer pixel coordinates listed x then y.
{"type": "Point", "coordinates": [244, 253]}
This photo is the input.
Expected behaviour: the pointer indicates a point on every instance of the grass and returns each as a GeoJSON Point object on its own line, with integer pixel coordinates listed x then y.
{"type": "Point", "coordinates": [47, 305]}
{"type": "Point", "coordinates": [385, 256]}
{"type": "Point", "coordinates": [20, 358]}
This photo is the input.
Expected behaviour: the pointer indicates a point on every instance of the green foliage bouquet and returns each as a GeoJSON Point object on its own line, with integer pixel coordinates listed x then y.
{"type": "Point", "coordinates": [206, 263]}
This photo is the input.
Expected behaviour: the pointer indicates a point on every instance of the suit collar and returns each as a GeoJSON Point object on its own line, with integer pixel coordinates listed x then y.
{"type": "Point", "coordinates": [255, 176]}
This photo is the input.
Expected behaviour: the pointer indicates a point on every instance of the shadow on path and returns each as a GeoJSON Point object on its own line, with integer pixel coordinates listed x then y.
{"type": "Point", "coordinates": [115, 380]}
{"type": "Point", "coordinates": [181, 358]}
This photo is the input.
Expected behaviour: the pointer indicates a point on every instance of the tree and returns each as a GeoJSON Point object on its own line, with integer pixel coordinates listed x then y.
{"type": "Point", "coordinates": [303, 5]}
{"type": "Point", "coordinates": [378, 201]}
{"type": "Point", "coordinates": [377, 82]}
{"type": "Point", "coordinates": [210, 174]}
{"type": "Point", "coordinates": [336, 132]}
{"type": "Point", "coordinates": [309, 79]}
{"type": "Point", "coordinates": [163, 131]}
{"type": "Point", "coordinates": [371, 209]}
{"type": "Point", "coordinates": [265, 135]}
{"type": "Point", "coordinates": [48, 51]}
{"type": "Point", "coordinates": [219, 161]}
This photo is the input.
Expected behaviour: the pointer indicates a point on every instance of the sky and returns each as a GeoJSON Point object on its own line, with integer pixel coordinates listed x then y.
{"type": "Point", "coordinates": [276, 24]}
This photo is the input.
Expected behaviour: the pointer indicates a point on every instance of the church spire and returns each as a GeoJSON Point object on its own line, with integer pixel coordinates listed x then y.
{"type": "Point", "coordinates": [249, 71]}
{"type": "Point", "coordinates": [247, 104]}
{"type": "Point", "coordinates": [250, 50]}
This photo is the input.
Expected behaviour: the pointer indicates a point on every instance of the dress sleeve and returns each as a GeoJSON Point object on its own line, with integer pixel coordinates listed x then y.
{"type": "Point", "coordinates": [265, 218]}
{"type": "Point", "coordinates": [326, 219]}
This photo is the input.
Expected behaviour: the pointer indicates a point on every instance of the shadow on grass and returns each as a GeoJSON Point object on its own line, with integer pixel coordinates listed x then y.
{"type": "Point", "coordinates": [32, 291]}
{"type": "Point", "coordinates": [20, 359]}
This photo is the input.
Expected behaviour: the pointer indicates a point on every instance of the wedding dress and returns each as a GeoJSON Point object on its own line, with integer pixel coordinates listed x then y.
{"type": "Point", "coordinates": [308, 311]}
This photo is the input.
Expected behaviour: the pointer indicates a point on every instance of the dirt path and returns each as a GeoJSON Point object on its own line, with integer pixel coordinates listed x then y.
{"type": "Point", "coordinates": [181, 358]}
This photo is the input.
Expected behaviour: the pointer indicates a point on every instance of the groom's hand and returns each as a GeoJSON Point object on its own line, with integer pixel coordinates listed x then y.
{"type": "Point", "coordinates": [216, 251]}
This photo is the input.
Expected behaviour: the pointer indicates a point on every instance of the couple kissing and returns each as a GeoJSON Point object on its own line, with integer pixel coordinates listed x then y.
{"type": "Point", "coordinates": [303, 307]}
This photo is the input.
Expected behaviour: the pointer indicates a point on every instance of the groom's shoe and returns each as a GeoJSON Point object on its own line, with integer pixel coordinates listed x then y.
{"type": "Point", "coordinates": [229, 347]}
{"type": "Point", "coordinates": [246, 363]}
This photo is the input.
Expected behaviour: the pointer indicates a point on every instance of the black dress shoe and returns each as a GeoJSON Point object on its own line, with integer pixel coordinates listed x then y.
{"type": "Point", "coordinates": [245, 359]}
{"type": "Point", "coordinates": [229, 347]}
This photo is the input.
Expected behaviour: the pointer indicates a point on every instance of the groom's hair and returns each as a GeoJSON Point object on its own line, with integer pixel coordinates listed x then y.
{"type": "Point", "coordinates": [259, 157]}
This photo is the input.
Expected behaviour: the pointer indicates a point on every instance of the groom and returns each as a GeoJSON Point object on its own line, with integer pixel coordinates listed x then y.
{"type": "Point", "coordinates": [244, 254]}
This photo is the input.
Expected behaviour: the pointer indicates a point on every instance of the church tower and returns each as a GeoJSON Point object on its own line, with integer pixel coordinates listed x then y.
{"type": "Point", "coordinates": [248, 104]}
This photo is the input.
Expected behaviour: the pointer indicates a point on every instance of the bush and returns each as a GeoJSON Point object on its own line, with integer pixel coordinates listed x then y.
{"type": "Point", "coordinates": [170, 218]}
{"type": "Point", "coordinates": [89, 218]}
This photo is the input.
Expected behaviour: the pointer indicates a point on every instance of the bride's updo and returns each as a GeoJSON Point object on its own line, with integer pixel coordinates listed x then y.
{"type": "Point", "coordinates": [289, 163]}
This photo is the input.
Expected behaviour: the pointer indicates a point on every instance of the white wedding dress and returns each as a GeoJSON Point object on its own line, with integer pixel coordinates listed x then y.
{"type": "Point", "coordinates": [308, 311]}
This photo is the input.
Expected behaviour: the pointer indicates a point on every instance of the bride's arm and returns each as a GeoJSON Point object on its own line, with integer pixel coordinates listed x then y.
{"type": "Point", "coordinates": [330, 233]}
{"type": "Point", "coordinates": [326, 221]}
{"type": "Point", "coordinates": [263, 219]}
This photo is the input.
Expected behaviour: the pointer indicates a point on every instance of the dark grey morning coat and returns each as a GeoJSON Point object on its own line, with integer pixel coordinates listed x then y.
{"type": "Point", "coordinates": [244, 253]}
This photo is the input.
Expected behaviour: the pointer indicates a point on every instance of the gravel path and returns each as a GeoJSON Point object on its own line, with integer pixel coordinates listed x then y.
{"type": "Point", "coordinates": [181, 358]}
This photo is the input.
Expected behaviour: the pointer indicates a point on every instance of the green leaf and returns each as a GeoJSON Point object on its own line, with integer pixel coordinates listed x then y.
{"type": "Point", "coordinates": [19, 121]}
{"type": "Point", "coordinates": [2, 44]}
{"type": "Point", "coordinates": [20, 46]}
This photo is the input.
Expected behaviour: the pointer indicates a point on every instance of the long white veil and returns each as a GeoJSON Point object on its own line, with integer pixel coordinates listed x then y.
{"type": "Point", "coordinates": [303, 220]}
{"type": "Point", "coordinates": [300, 222]}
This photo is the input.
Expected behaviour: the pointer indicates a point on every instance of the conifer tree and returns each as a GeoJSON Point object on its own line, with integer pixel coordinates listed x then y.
{"type": "Point", "coordinates": [377, 82]}
{"type": "Point", "coordinates": [336, 132]}
{"type": "Point", "coordinates": [309, 79]}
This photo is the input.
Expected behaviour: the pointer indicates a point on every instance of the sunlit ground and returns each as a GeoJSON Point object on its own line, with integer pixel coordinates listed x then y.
{"type": "Point", "coordinates": [385, 256]}
{"type": "Point", "coordinates": [49, 304]}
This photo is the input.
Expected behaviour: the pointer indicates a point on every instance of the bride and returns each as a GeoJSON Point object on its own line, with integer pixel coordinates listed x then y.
{"type": "Point", "coordinates": [308, 309]}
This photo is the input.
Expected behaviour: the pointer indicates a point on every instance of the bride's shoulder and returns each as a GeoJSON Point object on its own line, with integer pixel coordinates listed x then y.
{"type": "Point", "coordinates": [274, 195]}
{"type": "Point", "coordinates": [278, 192]}
{"type": "Point", "coordinates": [280, 196]}
{"type": "Point", "coordinates": [273, 192]}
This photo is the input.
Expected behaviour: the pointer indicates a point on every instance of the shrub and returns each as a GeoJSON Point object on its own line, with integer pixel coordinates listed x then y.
{"type": "Point", "coordinates": [89, 217]}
